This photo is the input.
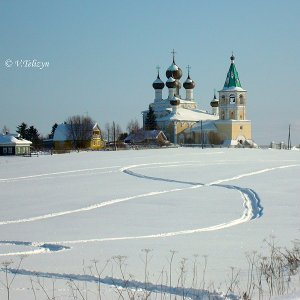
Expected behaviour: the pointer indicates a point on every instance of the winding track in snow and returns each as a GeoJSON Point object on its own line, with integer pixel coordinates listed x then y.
{"type": "Point", "coordinates": [126, 170]}
{"type": "Point", "coordinates": [253, 208]}
{"type": "Point", "coordinates": [55, 174]}
{"type": "Point", "coordinates": [39, 248]}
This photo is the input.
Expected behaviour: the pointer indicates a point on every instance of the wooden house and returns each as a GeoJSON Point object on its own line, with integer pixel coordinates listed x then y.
{"type": "Point", "coordinates": [13, 144]}
{"type": "Point", "coordinates": [65, 139]}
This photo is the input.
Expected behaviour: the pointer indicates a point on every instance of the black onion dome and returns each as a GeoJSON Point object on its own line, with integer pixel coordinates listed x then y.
{"type": "Point", "coordinates": [189, 83]}
{"type": "Point", "coordinates": [158, 84]}
{"type": "Point", "coordinates": [214, 102]}
{"type": "Point", "coordinates": [171, 83]}
{"type": "Point", "coordinates": [175, 102]}
{"type": "Point", "coordinates": [174, 71]}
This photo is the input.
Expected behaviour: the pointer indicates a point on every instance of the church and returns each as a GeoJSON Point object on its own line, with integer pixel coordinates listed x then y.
{"type": "Point", "coordinates": [184, 123]}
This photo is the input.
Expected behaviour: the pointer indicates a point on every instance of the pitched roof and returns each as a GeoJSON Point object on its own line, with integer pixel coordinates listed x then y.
{"type": "Point", "coordinates": [206, 126]}
{"type": "Point", "coordinates": [183, 114]}
{"type": "Point", "coordinates": [232, 81]}
{"type": "Point", "coordinates": [143, 135]}
{"type": "Point", "coordinates": [62, 132]}
{"type": "Point", "coordinates": [13, 139]}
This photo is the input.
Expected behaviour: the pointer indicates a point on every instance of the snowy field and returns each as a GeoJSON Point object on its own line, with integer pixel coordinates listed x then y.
{"type": "Point", "coordinates": [65, 211]}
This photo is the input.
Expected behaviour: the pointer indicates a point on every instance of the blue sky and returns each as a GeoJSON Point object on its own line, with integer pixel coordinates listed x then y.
{"type": "Point", "coordinates": [103, 55]}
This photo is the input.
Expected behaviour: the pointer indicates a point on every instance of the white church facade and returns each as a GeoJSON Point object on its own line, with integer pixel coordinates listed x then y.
{"type": "Point", "coordinates": [184, 123]}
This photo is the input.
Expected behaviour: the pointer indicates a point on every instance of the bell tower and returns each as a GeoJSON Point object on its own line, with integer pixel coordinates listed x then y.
{"type": "Point", "coordinates": [233, 121]}
{"type": "Point", "coordinates": [232, 98]}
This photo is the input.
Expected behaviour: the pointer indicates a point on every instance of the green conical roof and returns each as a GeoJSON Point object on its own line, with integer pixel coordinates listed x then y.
{"type": "Point", "coordinates": [232, 79]}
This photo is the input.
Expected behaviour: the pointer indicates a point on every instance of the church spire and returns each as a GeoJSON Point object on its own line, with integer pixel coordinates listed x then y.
{"type": "Point", "coordinates": [232, 79]}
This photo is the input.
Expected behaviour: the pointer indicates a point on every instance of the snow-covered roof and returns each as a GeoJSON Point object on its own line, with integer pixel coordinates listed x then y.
{"type": "Point", "coordinates": [157, 80]}
{"type": "Point", "coordinates": [171, 79]}
{"type": "Point", "coordinates": [173, 67]}
{"type": "Point", "coordinates": [61, 133]}
{"type": "Point", "coordinates": [183, 114]}
{"type": "Point", "coordinates": [143, 135]}
{"type": "Point", "coordinates": [96, 127]}
{"type": "Point", "coordinates": [233, 88]}
{"type": "Point", "coordinates": [13, 139]}
{"type": "Point", "coordinates": [189, 80]}
{"type": "Point", "coordinates": [206, 126]}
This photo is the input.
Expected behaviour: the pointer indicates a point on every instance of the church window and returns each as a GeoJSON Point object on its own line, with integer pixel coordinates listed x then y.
{"type": "Point", "coordinates": [241, 99]}
{"type": "Point", "coordinates": [222, 115]}
{"type": "Point", "coordinates": [223, 100]}
{"type": "Point", "coordinates": [232, 115]}
{"type": "Point", "coordinates": [241, 127]}
{"type": "Point", "coordinates": [231, 99]}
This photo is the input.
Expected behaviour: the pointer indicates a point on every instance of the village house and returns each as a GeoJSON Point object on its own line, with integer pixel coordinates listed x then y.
{"type": "Point", "coordinates": [147, 137]}
{"type": "Point", "coordinates": [13, 144]}
{"type": "Point", "coordinates": [65, 139]}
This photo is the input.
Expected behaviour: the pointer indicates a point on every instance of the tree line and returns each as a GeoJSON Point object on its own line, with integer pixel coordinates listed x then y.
{"type": "Point", "coordinates": [80, 129]}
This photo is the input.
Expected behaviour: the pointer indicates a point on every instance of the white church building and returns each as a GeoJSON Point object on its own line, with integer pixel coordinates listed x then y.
{"type": "Point", "coordinates": [184, 123]}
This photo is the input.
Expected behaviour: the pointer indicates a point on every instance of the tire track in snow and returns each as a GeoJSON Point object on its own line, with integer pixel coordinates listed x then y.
{"type": "Point", "coordinates": [132, 284]}
{"type": "Point", "coordinates": [90, 207]}
{"type": "Point", "coordinates": [251, 211]}
{"type": "Point", "coordinates": [119, 200]}
{"type": "Point", "coordinates": [253, 208]}
{"type": "Point", "coordinates": [41, 248]}
{"type": "Point", "coordinates": [54, 173]}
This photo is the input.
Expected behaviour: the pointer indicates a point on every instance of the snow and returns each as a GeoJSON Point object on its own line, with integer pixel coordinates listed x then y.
{"type": "Point", "coordinates": [61, 132]}
{"type": "Point", "coordinates": [173, 67]}
{"type": "Point", "coordinates": [184, 114]}
{"type": "Point", "coordinates": [62, 209]}
{"type": "Point", "coordinates": [233, 88]}
{"type": "Point", "coordinates": [11, 139]}
{"type": "Point", "coordinates": [157, 80]}
{"type": "Point", "coordinates": [291, 296]}
{"type": "Point", "coordinates": [171, 79]}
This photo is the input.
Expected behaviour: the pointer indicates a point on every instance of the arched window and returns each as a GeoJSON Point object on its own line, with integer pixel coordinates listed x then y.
{"type": "Point", "coordinates": [241, 99]}
{"type": "Point", "coordinates": [222, 101]}
{"type": "Point", "coordinates": [222, 115]}
{"type": "Point", "coordinates": [232, 99]}
{"type": "Point", "coordinates": [232, 115]}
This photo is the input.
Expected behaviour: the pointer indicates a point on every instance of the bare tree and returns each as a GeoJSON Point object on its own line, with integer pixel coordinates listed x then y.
{"type": "Point", "coordinates": [133, 126]}
{"type": "Point", "coordinates": [80, 130]}
{"type": "Point", "coordinates": [108, 132]}
{"type": "Point", "coordinates": [118, 130]}
{"type": "Point", "coordinates": [5, 130]}
{"type": "Point", "coordinates": [112, 131]}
